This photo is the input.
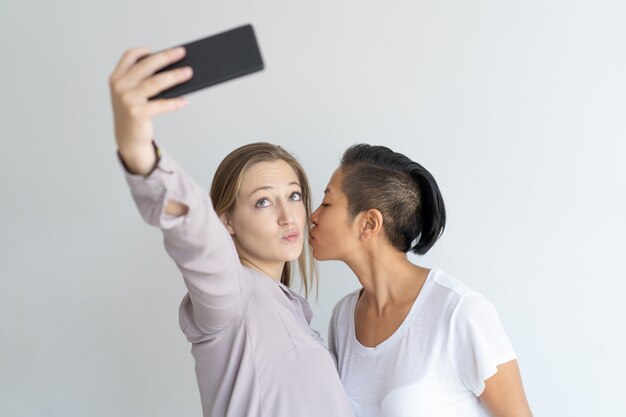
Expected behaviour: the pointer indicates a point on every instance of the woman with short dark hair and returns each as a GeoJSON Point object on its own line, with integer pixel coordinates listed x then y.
{"type": "Point", "coordinates": [412, 341]}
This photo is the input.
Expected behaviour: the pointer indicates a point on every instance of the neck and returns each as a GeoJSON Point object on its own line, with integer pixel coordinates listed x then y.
{"type": "Point", "coordinates": [273, 272]}
{"type": "Point", "coordinates": [388, 278]}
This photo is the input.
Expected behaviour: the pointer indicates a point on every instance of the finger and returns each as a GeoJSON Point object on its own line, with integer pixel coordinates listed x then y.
{"type": "Point", "coordinates": [128, 60]}
{"type": "Point", "coordinates": [157, 107]}
{"type": "Point", "coordinates": [148, 66]}
{"type": "Point", "coordinates": [161, 82]}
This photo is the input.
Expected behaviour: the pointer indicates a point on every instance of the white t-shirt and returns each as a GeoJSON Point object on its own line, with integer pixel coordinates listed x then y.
{"type": "Point", "coordinates": [436, 362]}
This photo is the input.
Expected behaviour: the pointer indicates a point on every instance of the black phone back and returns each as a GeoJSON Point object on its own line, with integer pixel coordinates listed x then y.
{"type": "Point", "coordinates": [216, 59]}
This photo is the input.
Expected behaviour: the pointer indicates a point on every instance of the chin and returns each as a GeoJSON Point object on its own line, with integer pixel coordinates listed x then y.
{"type": "Point", "coordinates": [292, 256]}
{"type": "Point", "coordinates": [318, 256]}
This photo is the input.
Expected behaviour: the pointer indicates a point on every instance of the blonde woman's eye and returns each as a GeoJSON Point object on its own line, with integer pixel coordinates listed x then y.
{"type": "Point", "coordinates": [264, 202]}
{"type": "Point", "coordinates": [295, 196]}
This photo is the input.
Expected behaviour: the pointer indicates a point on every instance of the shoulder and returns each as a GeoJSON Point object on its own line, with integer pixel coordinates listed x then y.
{"type": "Point", "coordinates": [451, 284]}
{"type": "Point", "coordinates": [470, 313]}
{"type": "Point", "coordinates": [462, 300]}
{"type": "Point", "coordinates": [344, 307]}
{"type": "Point", "coordinates": [347, 301]}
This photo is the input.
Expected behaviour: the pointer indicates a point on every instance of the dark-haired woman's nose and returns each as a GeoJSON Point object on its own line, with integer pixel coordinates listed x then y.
{"type": "Point", "coordinates": [314, 216]}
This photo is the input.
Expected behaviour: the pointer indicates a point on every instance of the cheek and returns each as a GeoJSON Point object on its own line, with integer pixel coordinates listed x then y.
{"type": "Point", "coordinates": [325, 232]}
{"type": "Point", "coordinates": [250, 225]}
{"type": "Point", "coordinates": [300, 215]}
{"type": "Point", "coordinates": [329, 221]}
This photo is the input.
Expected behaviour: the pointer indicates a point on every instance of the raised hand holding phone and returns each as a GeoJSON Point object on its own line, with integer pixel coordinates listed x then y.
{"type": "Point", "coordinates": [144, 85]}
{"type": "Point", "coordinates": [132, 83]}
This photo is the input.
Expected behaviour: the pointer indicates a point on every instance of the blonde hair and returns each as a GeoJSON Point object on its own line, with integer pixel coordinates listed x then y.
{"type": "Point", "coordinates": [225, 189]}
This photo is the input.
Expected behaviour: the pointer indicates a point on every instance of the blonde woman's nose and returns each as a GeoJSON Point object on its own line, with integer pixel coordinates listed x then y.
{"type": "Point", "coordinates": [285, 214]}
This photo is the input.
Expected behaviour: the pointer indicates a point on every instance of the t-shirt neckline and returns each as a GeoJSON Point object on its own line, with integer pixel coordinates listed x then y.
{"type": "Point", "coordinates": [419, 301]}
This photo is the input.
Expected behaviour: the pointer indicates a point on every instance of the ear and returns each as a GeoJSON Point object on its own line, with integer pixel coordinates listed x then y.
{"type": "Point", "coordinates": [371, 224]}
{"type": "Point", "coordinates": [225, 218]}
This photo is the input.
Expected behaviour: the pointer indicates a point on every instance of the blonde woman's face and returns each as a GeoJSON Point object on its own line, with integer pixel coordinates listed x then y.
{"type": "Point", "coordinates": [269, 218]}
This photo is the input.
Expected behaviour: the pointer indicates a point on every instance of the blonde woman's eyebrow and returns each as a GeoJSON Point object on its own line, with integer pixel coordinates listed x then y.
{"type": "Point", "coordinates": [269, 187]}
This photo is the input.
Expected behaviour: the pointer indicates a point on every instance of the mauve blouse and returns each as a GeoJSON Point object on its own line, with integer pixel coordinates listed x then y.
{"type": "Point", "coordinates": [255, 352]}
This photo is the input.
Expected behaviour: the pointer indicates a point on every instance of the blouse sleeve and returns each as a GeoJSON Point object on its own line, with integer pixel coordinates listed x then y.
{"type": "Point", "coordinates": [198, 243]}
{"type": "Point", "coordinates": [332, 336]}
{"type": "Point", "coordinates": [478, 342]}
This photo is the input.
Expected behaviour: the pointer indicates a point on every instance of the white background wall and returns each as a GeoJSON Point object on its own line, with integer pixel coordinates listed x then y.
{"type": "Point", "coordinates": [517, 108]}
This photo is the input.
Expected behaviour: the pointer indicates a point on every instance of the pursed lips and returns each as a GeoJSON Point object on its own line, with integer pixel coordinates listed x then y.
{"type": "Point", "coordinates": [291, 236]}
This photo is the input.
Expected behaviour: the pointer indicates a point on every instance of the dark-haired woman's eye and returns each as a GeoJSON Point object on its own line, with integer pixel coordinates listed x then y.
{"type": "Point", "coordinates": [295, 196]}
{"type": "Point", "coordinates": [263, 202]}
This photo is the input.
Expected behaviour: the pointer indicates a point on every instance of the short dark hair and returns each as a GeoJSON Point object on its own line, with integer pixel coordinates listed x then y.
{"type": "Point", "coordinates": [404, 192]}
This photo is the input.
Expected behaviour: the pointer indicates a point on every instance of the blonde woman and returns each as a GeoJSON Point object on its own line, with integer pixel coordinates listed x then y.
{"type": "Point", "coordinates": [254, 350]}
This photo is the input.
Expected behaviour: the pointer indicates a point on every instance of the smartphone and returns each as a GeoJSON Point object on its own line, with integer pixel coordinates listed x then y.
{"type": "Point", "coordinates": [216, 59]}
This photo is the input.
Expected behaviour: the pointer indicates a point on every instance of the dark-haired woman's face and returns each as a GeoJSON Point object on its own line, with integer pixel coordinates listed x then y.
{"type": "Point", "coordinates": [333, 233]}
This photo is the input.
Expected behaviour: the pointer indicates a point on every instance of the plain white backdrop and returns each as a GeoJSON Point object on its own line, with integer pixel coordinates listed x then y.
{"type": "Point", "coordinates": [517, 108]}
